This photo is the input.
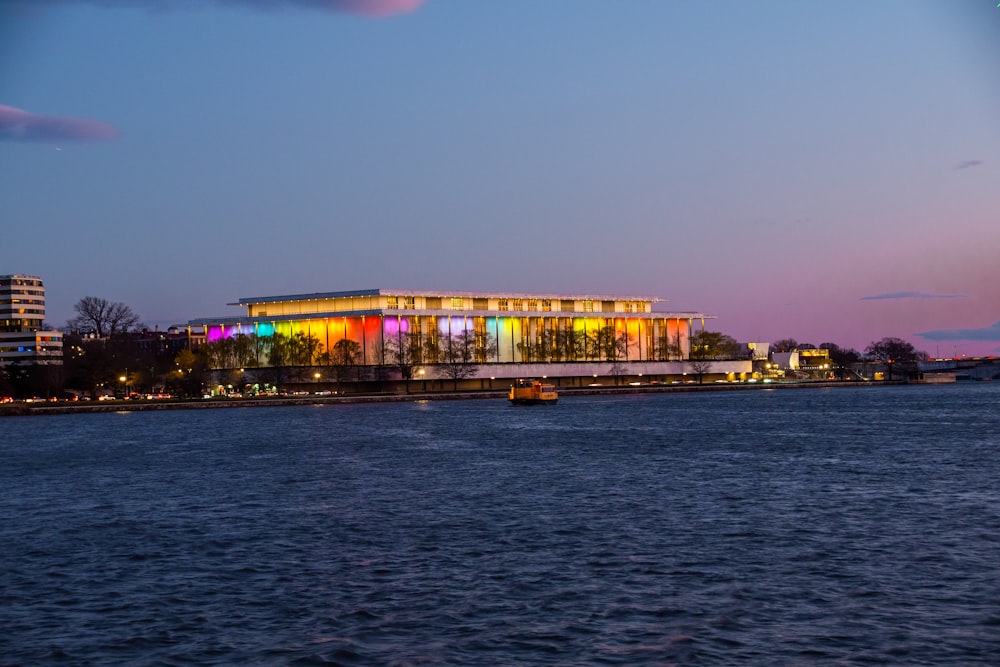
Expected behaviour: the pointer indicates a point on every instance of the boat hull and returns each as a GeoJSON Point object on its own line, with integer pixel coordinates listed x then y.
{"type": "Point", "coordinates": [533, 401]}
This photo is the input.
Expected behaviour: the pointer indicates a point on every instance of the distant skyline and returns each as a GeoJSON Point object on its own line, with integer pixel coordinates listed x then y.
{"type": "Point", "coordinates": [826, 172]}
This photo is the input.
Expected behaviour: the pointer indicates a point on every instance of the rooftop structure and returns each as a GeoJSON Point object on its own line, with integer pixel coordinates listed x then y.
{"type": "Point", "coordinates": [23, 338]}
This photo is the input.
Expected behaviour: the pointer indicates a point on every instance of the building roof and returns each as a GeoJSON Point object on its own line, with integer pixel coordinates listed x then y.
{"type": "Point", "coordinates": [19, 276]}
{"type": "Point", "coordinates": [243, 301]}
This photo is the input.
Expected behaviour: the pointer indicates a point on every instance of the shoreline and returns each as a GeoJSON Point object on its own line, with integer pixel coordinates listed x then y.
{"type": "Point", "coordinates": [63, 408]}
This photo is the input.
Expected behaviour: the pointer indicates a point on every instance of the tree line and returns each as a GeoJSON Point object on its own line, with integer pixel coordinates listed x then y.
{"type": "Point", "coordinates": [100, 353]}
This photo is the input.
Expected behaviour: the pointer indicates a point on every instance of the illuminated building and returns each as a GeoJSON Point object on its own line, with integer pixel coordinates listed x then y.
{"type": "Point", "coordinates": [23, 338]}
{"type": "Point", "coordinates": [510, 334]}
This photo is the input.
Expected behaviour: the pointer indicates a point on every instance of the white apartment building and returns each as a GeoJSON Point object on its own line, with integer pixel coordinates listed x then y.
{"type": "Point", "coordinates": [23, 338]}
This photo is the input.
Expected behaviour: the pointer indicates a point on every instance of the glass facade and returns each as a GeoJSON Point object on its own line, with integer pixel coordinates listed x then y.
{"type": "Point", "coordinates": [511, 328]}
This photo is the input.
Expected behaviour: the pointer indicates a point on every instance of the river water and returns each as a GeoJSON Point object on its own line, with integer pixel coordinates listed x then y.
{"type": "Point", "coordinates": [773, 527]}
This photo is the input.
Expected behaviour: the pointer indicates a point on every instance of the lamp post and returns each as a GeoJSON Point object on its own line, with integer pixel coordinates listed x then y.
{"type": "Point", "coordinates": [124, 380]}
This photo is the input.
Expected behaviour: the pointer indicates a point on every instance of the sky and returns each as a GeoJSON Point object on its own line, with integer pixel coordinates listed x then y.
{"type": "Point", "coordinates": [828, 172]}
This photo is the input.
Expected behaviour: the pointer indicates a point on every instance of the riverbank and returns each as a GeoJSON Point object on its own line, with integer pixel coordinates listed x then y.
{"type": "Point", "coordinates": [62, 408]}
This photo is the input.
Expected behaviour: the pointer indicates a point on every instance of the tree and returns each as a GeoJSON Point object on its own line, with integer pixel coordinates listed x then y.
{"type": "Point", "coordinates": [669, 348]}
{"type": "Point", "coordinates": [714, 345]}
{"type": "Point", "coordinates": [188, 378]}
{"type": "Point", "coordinates": [104, 318]}
{"type": "Point", "coordinates": [700, 366]}
{"type": "Point", "coordinates": [287, 355]}
{"type": "Point", "coordinates": [842, 358]}
{"type": "Point", "coordinates": [344, 356]}
{"type": "Point", "coordinates": [606, 343]}
{"type": "Point", "coordinates": [569, 345]}
{"type": "Point", "coordinates": [785, 345]}
{"type": "Point", "coordinates": [403, 353]}
{"type": "Point", "coordinates": [239, 351]}
{"type": "Point", "coordinates": [284, 353]}
{"type": "Point", "coordinates": [457, 356]}
{"type": "Point", "coordinates": [892, 351]}
{"type": "Point", "coordinates": [700, 355]}
{"type": "Point", "coordinates": [93, 363]}
{"type": "Point", "coordinates": [709, 345]}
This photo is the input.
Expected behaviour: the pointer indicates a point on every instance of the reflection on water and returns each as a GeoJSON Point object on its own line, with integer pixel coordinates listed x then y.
{"type": "Point", "coordinates": [766, 527]}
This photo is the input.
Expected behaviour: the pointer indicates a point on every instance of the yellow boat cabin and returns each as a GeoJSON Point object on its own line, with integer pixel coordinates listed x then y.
{"type": "Point", "coordinates": [532, 392]}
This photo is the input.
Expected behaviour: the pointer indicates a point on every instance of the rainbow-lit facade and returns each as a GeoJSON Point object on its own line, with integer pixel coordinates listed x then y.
{"type": "Point", "coordinates": [514, 323]}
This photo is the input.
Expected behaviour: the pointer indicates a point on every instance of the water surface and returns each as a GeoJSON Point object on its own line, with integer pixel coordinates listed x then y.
{"type": "Point", "coordinates": [779, 527]}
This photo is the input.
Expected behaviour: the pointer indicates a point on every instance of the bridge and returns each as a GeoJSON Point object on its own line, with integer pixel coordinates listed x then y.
{"type": "Point", "coordinates": [964, 368]}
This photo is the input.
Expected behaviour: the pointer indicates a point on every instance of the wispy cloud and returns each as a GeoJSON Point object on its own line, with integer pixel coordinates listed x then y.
{"type": "Point", "coordinates": [989, 333]}
{"type": "Point", "coordinates": [965, 164]}
{"type": "Point", "coordinates": [912, 295]}
{"type": "Point", "coordinates": [369, 8]}
{"type": "Point", "coordinates": [19, 125]}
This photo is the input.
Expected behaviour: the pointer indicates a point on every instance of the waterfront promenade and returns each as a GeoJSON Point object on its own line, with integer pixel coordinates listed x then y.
{"type": "Point", "coordinates": [77, 407]}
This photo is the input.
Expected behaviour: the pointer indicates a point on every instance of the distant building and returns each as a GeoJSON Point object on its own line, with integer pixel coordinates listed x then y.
{"type": "Point", "coordinates": [23, 338]}
{"type": "Point", "coordinates": [512, 334]}
{"type": "Point", "coordinates": [788, 361]}
{"type": "Point", "coordinates": [813, 361]}
{"type": "Point", "coordinates": [170, 342]}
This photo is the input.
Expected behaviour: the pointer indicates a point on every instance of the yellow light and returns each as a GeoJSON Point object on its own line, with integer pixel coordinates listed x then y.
{"type": "Point", "coordinates": [123, 378]}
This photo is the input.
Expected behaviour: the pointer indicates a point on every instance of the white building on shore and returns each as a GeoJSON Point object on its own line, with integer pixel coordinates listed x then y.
{"type": "Point", "coordinates": [23, 337]}
{"type": "Point", "coordinates": [497, 335]}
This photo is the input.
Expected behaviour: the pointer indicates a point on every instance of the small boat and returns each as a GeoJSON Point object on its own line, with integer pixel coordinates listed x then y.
{"type": "Point", "coordinates": [532, 392]}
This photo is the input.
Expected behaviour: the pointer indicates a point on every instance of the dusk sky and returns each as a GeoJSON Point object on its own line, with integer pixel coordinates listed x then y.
{"type": "Point", "coordinates": [822, 171]}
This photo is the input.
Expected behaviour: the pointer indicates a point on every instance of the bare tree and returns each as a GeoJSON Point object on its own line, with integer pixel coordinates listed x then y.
{"type": "Point", "coordinates": [403, 353]}
{"type": "Point", "coordinates": [700, 367]}
{"type": "Point", "coordinates": [344, 356]}
{"type": "Point", "coordinates": [460, 353]}
{"type": "Point", "coordinates": [668, 347]}
{"type": "Point", "coordinates": [785, 345]}
{"type": "Point", "coordinates": [105, 318]}
{"type": "Point", "coordinates": [569, 345]}
{"type": "Point", "coordinates": [894, 352]}
{"type": "Point", "coordinates": [608, 344]}
{"type": "Point", "coordinates": [842, 358]}
{"type": "Point", "coordinates": [705, 346]}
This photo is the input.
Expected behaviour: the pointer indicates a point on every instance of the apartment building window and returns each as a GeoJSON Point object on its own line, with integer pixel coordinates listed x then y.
{"type": "Point", "coordinates": [532, 304]}
{"type": "Point", "coordinates": [503, 304]}
{"type": "Point", "coordinates": [457, 303]}
{"type": "Point", "coordinates": [628, 306]}
{"type": "Point", "coordinates": [518, 304]}
{"type": "Point", "coordinates": [409, 303]}
{"type": "Point", "coordinates": [547, 305]}
{"type": "Point", "coordinates": [588, 306]}
{"type": "Point", "coordinates": [392, 302]}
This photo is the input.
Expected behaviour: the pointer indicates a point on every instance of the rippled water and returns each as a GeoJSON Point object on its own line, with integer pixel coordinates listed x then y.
{"type": "Point", "coordinates": [843, 526]}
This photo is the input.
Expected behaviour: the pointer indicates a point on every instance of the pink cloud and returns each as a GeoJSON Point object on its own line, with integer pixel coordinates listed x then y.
{"type": "Point", "coordinates": [19, 125]}
{"type": "Point", "coordinates": [369, 8]}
